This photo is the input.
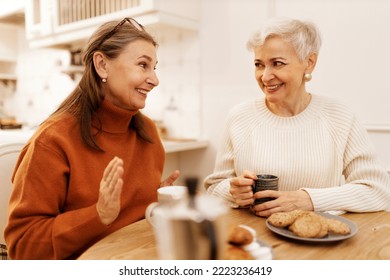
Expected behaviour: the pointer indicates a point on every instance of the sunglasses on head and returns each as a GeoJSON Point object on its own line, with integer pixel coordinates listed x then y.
{"type": "Point", "coordinates": [132, 21]}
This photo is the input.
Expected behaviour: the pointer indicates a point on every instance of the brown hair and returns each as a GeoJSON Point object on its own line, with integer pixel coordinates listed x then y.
{"type": "Point", "coordinates": [86, 98]}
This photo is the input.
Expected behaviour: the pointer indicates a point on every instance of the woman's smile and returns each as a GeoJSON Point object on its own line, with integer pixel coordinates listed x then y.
{"type": "Point", "coordinates": [273, 88]}
{"type": "Point", "coordinates": [142, 92]}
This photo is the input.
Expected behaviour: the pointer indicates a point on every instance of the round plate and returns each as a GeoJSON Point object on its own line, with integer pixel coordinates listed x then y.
{"type": "Point", "coordinates": [328, 238]}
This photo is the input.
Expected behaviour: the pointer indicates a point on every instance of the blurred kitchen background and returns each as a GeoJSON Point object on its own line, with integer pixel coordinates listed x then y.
{"type": "Point", "coordinates": [204, 67]}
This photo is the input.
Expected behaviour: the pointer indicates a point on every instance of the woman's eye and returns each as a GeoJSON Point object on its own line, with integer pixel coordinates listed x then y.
{"type": "Point", "coordinates": [258, 64]}
{"type": "Point", "coordinates": [279, 63]}
{"type": "Point", "coordinates": [143, 65]}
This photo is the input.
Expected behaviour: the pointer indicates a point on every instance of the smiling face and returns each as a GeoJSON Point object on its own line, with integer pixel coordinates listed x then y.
{"type": "Point", "coordinates": [279, 72]}
{"type": "Point", "coordinates": [131, 76]}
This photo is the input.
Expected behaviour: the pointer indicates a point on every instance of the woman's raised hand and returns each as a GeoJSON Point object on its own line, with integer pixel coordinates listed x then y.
{"type": "Point", "coordinates": [108, 205]}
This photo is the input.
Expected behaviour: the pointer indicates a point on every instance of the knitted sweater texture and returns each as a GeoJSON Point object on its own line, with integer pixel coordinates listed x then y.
{"type": "Point", "coordinates": [57, 178]}
{"type": "Point", "coordinates": [323, 150]}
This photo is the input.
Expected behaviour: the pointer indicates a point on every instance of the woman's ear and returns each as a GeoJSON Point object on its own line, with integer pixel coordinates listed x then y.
{"type": "Point", "coordinates": [100, 63]}
{"type": "Point", "coordinates": [311, 62]}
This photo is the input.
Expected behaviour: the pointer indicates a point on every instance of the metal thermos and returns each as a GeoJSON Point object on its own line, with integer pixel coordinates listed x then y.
{"type": "Point", "coordinates": [193, 229]}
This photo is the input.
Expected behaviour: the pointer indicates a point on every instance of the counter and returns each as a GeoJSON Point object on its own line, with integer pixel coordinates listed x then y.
{"type": "Point", "coordinates": [22, 136]}
{"type": "Point", "coordinates": [15, 135]}
{"type": "Point", "coordinates": [182, 146]}
{"type": "Point", "coordinates": [175, 150]}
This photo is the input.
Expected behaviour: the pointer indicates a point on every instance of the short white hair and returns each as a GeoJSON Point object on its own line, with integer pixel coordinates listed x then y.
{"type": "Point", "coordinates": [304, 36]}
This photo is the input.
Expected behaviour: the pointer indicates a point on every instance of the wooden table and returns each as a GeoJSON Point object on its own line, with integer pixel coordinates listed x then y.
{"type": "Point", "coordinates": [372, 241]}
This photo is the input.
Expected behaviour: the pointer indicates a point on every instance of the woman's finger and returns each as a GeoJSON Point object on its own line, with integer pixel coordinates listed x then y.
{"type": "Point", "coordinates": [114, 181]}
{"type": "Point", "coordinates": [109, 168]}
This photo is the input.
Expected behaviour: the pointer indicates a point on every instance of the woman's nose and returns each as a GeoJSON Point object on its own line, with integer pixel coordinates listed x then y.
{"type": "Point", "coordinates": [153, 79]}
{"type": "Point", "coordinates": [267, 75]}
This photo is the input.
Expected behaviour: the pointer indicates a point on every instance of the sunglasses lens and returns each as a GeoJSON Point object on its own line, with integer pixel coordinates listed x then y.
{"type": "Point", "coordinates": [136, 24]}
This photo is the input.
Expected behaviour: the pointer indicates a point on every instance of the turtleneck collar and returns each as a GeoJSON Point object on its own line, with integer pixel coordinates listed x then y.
{"type": "Point", "coordinates": [113, 119]}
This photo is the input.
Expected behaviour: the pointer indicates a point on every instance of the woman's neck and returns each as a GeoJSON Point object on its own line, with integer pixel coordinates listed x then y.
{"type": "Point", "coordinates": [290, 108]}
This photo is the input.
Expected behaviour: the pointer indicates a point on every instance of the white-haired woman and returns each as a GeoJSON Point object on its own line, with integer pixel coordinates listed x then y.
{"type": "Point", "coordinates": [315, 145]}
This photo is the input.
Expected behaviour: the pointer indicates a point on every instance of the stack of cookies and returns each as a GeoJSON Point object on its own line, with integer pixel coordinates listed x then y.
{"type": "Point", "coordinates": [308, 224]}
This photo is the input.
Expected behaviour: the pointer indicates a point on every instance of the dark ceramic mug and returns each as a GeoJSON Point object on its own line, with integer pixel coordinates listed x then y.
{"type": "Point", "coordinates": [265, 182]}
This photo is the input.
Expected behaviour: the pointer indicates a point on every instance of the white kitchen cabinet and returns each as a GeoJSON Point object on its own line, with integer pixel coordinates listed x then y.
{"type": "Point", "coordinates": [38, 18]}
{"type": "Point", "coordinates": [62, 23]}
{"type": "Point", "coordinates": [8, 51]}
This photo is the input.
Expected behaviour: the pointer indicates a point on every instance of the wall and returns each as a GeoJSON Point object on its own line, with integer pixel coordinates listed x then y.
{"type": "Point", "coordinates": [41, 85]}
{"type": "Point", "coordinates": [176, 101]}
{"type": "Point", "coordinates": [352, 66]}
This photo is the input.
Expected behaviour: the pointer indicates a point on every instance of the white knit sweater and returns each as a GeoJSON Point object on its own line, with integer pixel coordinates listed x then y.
{"type": "Point", "coordinates": [324, 150]}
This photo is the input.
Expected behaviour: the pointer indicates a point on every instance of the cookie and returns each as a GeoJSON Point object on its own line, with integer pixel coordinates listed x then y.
{"type": "Point", "coordinates": [324, 227]}
{"type": "Point", "coordinates": [240, 236]}
{"type": "Point", "coordinates": [338, 227]}
{"type": "Point", "coordinates": [284, 219]}
{"type": "Point", "coordinates": [281, 219]}
{"type": "Point", "coordinates": [308, 226]}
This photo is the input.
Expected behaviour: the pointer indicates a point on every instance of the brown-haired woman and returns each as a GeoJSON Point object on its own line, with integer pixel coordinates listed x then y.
{"type": "Point", "coordinates": [95, 164]}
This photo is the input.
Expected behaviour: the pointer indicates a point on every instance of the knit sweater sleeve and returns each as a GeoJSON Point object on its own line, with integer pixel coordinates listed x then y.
{"type": "Point", "coordinates": [218, 183]}
{"type": "Point", "coordinates": [39, 228]}
{"type": "Point", "coordinates": [367, 184]}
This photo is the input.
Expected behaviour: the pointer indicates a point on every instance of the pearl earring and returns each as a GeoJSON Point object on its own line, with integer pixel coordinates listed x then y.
{"type": "Point", "coordinates": [104, 80]}
{"type": "Point", "coordinates": [308, 77]}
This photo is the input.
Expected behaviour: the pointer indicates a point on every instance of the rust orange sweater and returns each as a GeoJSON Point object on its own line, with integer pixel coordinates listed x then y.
{"type": "Point", "coordinates": [56, 185]}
